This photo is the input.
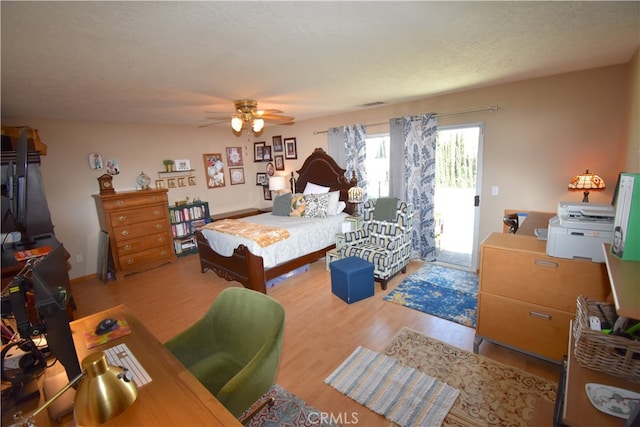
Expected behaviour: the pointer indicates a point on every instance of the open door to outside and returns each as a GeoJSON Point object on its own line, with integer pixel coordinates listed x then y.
{"type": "Point", "coordinates": [457, 195]}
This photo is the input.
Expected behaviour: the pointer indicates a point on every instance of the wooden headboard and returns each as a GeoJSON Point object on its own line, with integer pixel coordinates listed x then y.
{"type": "Point", "coordinates": [320, 168]}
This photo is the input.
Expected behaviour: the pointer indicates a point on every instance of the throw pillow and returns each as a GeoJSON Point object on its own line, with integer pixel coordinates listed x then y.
{"type": "Point", "coordinates": [312, 188]}
{"type": "Point", "coordinates": [316, 205]}
{"type": "Point", "coordinates": [334, 198]}
{"type": "Point", "coordinates": [298, 205]}
{"type": "Point", "coordinates": [282, 205]}
{"type": "Point", "coordinates": [341, 207]}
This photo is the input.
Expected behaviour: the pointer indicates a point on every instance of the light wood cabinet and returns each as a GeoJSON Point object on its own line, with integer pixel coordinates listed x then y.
{"type": "Point", "coordinates": [139, 229]}
{"type": "Point", "coordinates": [527, 299]}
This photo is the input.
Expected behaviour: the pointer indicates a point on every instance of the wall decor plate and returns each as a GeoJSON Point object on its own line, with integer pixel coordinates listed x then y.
{"type": "Point", "coordinates": [612, 400]}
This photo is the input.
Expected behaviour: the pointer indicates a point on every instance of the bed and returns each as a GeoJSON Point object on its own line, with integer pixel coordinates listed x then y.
{"type": "Point", "coordinates": [249, 268]}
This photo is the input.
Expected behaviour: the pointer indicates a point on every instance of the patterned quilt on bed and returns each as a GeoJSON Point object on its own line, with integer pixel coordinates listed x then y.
{"type": "Point", "coordinates": [263, 235]}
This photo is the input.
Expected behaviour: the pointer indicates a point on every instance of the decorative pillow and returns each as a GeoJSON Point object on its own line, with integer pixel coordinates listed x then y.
{"type": "Point", "coordinates": [312, 188]}
{"type": "Point", "coordinates": [316, 205]}
{"type": "Point", "coordinates": [298, 205]}
{"type": "Point", "coordinates": [282, 205]}
{"type": "Point", "coordinates": [341, 207]}
{"type": "Point", "coordinates": [334, 198]}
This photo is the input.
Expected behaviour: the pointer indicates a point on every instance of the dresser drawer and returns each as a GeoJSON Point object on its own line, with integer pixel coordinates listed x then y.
{"type": "Point", "coordinates": [134, 216]}
{"type": "Point", "coordinates": [529, 327]}
{"type": "Point", "coordinates": [125, 201]}
{"type": "Point", "coordinates": [137, 259]}
{"type": "Point", "coordinates": [540, 279]}
{"type": "Point", "coordinates": [126, 247]}
{"type": "Point", "coordinates": [127, 232]}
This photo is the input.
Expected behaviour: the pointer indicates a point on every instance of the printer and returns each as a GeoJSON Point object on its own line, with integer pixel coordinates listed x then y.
{"type": "Point", "coordinates": [579, 230]}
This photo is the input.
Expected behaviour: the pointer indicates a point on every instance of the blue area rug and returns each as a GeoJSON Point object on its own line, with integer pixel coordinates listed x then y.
{"type": "Point", "coordinates": [444, 292]}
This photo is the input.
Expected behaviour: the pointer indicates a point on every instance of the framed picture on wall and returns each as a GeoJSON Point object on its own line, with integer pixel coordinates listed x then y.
{"type": "Point", "coordinates": [277, 144]}
{"type": "Point", "coordinates": [192, 180]}
{"type": "Point", "coordinates": [182, 165]}
{"type": "Point", "coordinates": [258, 151]}
{"type": "Point", "coordinates": [234, 156]}
{"type": "Point", "coordinates": [266, 153]}
{"type": "Point", "coordinates": [236, 175]}
{"type": "Point", "coordinates": [267, 192]}
{"type": "Point", "coordinates": [159, 183]}
{"type": "Point", "coordinates": [279, 161]}
{"type": "Point", "coordinates": [261, 178]}
{"type": "Point", "coordinates": [214, 170]}
{"type": "Point", "coordinates": [290, 148]}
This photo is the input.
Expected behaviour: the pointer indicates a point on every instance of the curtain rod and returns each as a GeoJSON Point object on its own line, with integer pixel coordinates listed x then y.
{"type": "Point", "coordinates": [491, 108]}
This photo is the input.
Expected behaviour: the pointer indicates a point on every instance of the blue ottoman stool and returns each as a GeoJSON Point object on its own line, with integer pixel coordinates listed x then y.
{"type": "Point", "coordinates": [352, 279]}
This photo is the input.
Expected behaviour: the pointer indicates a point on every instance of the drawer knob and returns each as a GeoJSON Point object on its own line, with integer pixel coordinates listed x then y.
{"type": "Point", "coordinates": [545, 263]}
{"type": "Point", "coordinates": [124, 232]}
{"type": "Point", "coordinates": [158, 226]}
{"type": "Point", "coordinates": [156, 212]}
{"type": "Point", "coordinates": [122, 218]}
{"type": "Point", "coordinates": [163, 252]}
{"type": "Point", "coordinates": [127, 247]}
{"type": "Point", "coordinates": [119, 202]}
{"type": "Point", "coordinates": [130, 261]}
{"type": "Point", "coordinates": [160, 239]}
{"type": "Point", "coordinates": [540, 315]}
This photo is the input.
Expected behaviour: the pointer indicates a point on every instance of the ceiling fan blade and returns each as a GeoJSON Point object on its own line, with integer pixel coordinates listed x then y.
{"type": "Point", "coordinates": [277, 118]}
{"type": "Point", "coordinates": [269, 111]}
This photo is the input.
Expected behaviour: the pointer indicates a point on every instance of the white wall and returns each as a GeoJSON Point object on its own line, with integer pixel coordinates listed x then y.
{"type": "Point", "coordinates": [546, 131]}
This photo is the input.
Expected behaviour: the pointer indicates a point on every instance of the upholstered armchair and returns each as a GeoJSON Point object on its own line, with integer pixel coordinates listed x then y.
{"type": "Point", "coordinates": [234, 350]}
{"type": "Point", "coordinates": [385, 238]}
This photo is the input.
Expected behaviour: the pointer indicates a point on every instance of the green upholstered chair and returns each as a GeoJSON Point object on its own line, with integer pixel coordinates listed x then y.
{"type": "Point", "coordinates": [234, 350]}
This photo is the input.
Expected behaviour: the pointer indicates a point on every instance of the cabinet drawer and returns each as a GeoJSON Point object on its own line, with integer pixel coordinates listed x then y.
{"type": "Point", "coordinates": [137, 259]}
{"type": "Point", "coordinates": [540, 279]}
{"type": "Point", "coordinates": [142, 243]}
{"type": "Point", "coordinates": [127, 232]}
{"type": "Point", "coordinates": [134, 202]}
{"type": "Point", "coordinates": [540, 330]}
{"type": "Point", "coordinates": [134, 216]}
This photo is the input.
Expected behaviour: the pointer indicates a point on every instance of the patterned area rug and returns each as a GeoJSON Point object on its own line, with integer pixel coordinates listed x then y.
{"type": "Point", "coordinates": [401, 394]}
{"type": "Point", "coordinates": [444, 292]}
{"type": "Point", "coordinates": [491, 393]}
{"type": "Point", "coordinates": [287, 410]}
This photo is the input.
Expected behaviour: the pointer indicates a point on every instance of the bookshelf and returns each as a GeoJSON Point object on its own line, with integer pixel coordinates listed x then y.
{"type": "Point", "coordinates": [185, 220]}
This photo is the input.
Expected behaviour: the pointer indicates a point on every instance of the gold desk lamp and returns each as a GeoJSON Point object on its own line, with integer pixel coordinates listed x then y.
{"type": "Point", "coordinates": [104, 391]}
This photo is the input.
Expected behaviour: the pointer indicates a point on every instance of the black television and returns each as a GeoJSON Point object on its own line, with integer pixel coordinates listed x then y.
{"type": "Point", "coordinates": [52, 290]}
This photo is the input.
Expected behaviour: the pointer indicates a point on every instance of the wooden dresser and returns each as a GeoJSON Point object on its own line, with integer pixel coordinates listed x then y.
{"type": "Point", "coordinates": [139, 229]}
{"type": "Point", "coordinates": [527, 299]}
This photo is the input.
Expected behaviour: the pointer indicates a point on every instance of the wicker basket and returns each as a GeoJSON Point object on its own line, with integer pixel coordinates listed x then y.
{"type": "Point", "coordinates": [614, 355]}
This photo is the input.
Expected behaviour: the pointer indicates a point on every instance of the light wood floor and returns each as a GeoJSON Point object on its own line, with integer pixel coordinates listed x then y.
{"type": "Point", "coordinates": [321, 330]}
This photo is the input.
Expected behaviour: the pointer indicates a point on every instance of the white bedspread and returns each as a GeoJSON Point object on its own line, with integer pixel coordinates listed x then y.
{"type": "Point", "coordinates": [306, 235]}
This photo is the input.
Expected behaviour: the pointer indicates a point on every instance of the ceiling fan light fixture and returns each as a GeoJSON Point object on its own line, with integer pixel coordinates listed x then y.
{"type": "Point", "coordinates": [258, 124]}
{"type": "Point", "coordinates": [236, 123]}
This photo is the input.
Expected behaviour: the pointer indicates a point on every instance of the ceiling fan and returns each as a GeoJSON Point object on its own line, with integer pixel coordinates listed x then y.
{"type": "Point", "coordinates": [246, 111]}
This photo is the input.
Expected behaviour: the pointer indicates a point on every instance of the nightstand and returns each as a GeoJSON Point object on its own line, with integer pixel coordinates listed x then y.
{"type": "Point", "coordinates": [332, 255]}
{"type": "Point", "coordinates": [357, 222]}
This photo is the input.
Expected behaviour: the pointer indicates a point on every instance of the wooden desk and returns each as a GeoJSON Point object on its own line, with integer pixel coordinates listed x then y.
{"type": "Point", "coordinates": [578, 410]}
{"type": "Point", "coordinates": [173, 397]}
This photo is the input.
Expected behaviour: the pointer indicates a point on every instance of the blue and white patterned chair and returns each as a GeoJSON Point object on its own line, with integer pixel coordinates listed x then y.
{"type": "Point", "coordinates": [386, 243]}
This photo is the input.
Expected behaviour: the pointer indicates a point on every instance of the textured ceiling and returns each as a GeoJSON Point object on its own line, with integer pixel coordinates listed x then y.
{"type": "Point", "coordinates": [168, 62]}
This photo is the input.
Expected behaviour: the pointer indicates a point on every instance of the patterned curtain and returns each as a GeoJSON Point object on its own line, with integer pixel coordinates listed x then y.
{"type": "Point", "coordinates": [420, 160]}
{"type": "Point", "coordinates": [355, 153]}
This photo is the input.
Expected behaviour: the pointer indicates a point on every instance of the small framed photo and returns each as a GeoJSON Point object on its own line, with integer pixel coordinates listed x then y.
{"type": "Point", "coordinates": [277, 144]}
{"type": "Point", "coordinates": [258, 151]}
{"type": "Point", "coordinates": [159, 183]}
{"type": "Point", "coordinates": [270, 169]}
{"type": "Point", "coordinates": [279, 161]}
{"type": "Point", "coordinates": [290, 148]}
{"type": "Point", "coordinates": [95, 161]}
{"type": "Point", "coordinates": [234, 156]}
{"type": "Point", "coordinates": [182, 165]}
{"type": "Point", "coordinates": [236, 175]}
{"type": "Point", "coordinates": [192, 180]}
{"type": "Point", "coordinates": [261, 178]}
{"type": "Point", "coordinates": [182, 182]}
{"type": "Point", "coordinates": [171, 183]}
{"type": "Point", "coordinates": [267, 192]}
{"type": "Point", "coordinates": [266, 153]}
